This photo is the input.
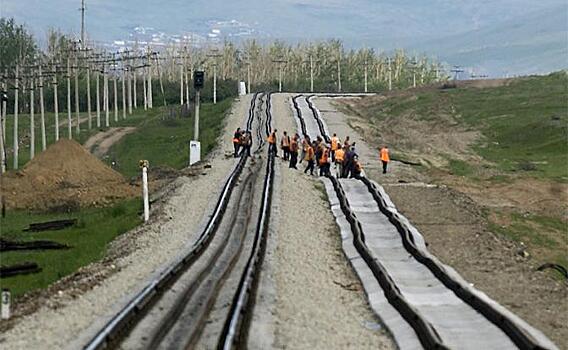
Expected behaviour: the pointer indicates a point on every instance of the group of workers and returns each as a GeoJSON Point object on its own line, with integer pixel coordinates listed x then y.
{"type": "Point", "coordinates": [242, 142]}
{"type": "Point", "coordinates": [316, 153]}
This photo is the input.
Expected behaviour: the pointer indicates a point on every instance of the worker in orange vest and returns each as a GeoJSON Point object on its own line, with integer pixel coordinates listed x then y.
{"type": "Point", "coordinates": [324, 162]}
{"type": "Point", "coordinates": [346, 143]}
{"type": "Point", "coordinates": [294, 151]}
{"type": "Point", "coordinates": [237, 141]}
{"type": "Point", "coordinates": [339, 158]}
{"type": "Point", "coordinates": [385, 159]}
{"type": "Point", "coordinates": [335, 144]}
{"type": "Point", "coordinates": [285, 145]}
{"type": "Point", "coordinates": [272, 143]}
{"type": "Point", "coordinates": [305, 144]}
{"type": "Point", "coordinates": [310, 158]}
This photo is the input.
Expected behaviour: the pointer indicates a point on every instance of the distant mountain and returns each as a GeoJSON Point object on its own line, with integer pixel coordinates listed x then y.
{"type": "Point", "coordinates": [487, 33]}
{"type": "Point", "coordinates": [532, 44]}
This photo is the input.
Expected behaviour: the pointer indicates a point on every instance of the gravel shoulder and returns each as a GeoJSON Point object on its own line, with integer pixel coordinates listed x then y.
{"type": "Point", "coordinates": [77, 305]}
{"type": "Point", "coordinates": [320, 302]}
{"type": "Point", "coordinates": [457, 232]}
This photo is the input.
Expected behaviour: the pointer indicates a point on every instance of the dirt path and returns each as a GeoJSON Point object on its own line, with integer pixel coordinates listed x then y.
{"type": "Point", "coordinates": [457, 232]}
{"type": "Point", "coordinates": [100, 143]}
{"type": "Point", "coordinates": [320, 301]}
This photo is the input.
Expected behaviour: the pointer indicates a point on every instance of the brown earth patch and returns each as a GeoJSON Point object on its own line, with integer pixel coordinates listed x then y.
{"type": "Point", "coordinates": [464, 219]}
{"type": "Point", "coordinates": [429, 142]}
{"type": "Point", "coordinates": [65, 177]}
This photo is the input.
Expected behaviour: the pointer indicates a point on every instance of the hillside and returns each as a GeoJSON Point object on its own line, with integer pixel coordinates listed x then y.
{"type": "Point", "coordinates": [500, 142]}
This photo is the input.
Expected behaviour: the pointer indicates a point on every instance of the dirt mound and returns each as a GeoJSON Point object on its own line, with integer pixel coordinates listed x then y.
{"type": "Point", "coordinates": [65, 177]}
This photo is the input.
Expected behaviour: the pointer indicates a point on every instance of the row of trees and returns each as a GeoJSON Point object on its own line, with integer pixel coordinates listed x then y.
{"type": "Point", "coordinates": [108, 85]}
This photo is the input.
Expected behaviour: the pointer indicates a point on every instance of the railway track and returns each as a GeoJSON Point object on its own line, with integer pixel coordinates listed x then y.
{"type": "Point", "coordinates": [205, 298]}
{"type": "Point", "coordinates": [437, 307]}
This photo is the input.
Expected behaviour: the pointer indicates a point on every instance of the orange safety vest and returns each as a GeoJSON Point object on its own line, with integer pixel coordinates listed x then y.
{"type": "Point", "coordinates": [334, 143]}
{"type": "Point", "coordinates": [293, 146]}
{"type": "Point", "coordinates": [271, 138]}
{"type": "Point", "coordinates": [385, 155]}
{"type": "Point", "coordinates": [339, 156]}
{"type": "Point", "coordinates": [286, 141]}
{"type": "Point", "coordinates": [324, 157]}
{"type": "Point", "coordinates": [236, 140]}
{"type": "Point", "coordinates": [309, 153]}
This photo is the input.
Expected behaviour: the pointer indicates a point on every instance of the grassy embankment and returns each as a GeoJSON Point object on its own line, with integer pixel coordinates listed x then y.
{"type": "Point", "coordinates": [524, 132]}
{"type": "Point", "coordinates": [161, 140]}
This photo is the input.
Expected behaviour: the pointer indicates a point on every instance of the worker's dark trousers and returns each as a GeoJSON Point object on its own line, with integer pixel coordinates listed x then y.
{"type": "Point", "coordinates": [324, 169]}
{"type": "Point", "coordinates": [272, 148]}
{"type": "Point", "coordinates": [385, 166]}
{"type": "Point", "coordinates": [237, 146]}
{"type": "Point", "coordinates": [310, 167]}
{"type": "Point", "coordinates": [332, 155]}
{"type": "Point", "coordinates": [245, 152]}
{"type": "Point", "coordinates": [293, 159]}
{"type": "Point", "coordinates": [286, 153]}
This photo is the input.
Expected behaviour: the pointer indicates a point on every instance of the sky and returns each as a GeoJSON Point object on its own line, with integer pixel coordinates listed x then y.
{"type": "Point", "coordinates": [449, 29]}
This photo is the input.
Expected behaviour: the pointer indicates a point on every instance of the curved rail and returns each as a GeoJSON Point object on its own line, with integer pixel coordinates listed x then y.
{"type": "Point", "coordinates": [142, 300]}
{"type": "Point", "coordinates": [520, 336]}
{"type": "Point", "coordinates": [243, 299]}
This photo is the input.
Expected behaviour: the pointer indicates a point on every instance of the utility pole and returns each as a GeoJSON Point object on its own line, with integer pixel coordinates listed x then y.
{"type": "Point", "coordinates": [339, 72]}
{"type": "Point", "coordinates": [98, 98]}
{"type": "Point", "coordinates": [42, 110]}
{"type": "Point", "coordinates": [214, 55]}
{"type": "Point", "coordinates": [311, 73]}
{"type": "Point", "coordinates": [123, 93]}
{"type": "Point", "coordinates": [390, 75]}
{"type": "Point", "coordinates": [32, 124]}
{"type": "Point", "coordinates": [144, 88]}
{"type": "Point", "coordinates": [69, 129]}
{"type": "Point", "coordinates": [16, 143]}
{"type": "Point", "coordinates": [280, 62]}
{"type": "Point", "coordinates": [129, 88]}
{"type": "Point", "coordinates": [4, 98]}
{"type": "Point", "coordinates": [115, 97]}
{"type": "Point", "coordinates": [106, 96]}
{"type": "Point", "coordinates": [134, 86]}
{"type": "Point", "coordinates": [149, 85]}
{"type": "Point", "coordinates": [413, 73]}
{"type": "Point", "coordinates": [89, 94]}
{"type": "Point", "coordinates": [181, 78]}
{"type": "Point", "coordinates": [77, 112]}
{"type": "Point", "coordinates": [366, 86]}
{"type": "Point", "coordinates": [55, 103]}
{"type": "Point", "coordinates": [83, 24]}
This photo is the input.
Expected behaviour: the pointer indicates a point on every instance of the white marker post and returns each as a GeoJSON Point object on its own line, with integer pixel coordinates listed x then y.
{"type": "Point", "coordinates": [6, 299]}
{"type": "Point", "coordinates": [144, 165]}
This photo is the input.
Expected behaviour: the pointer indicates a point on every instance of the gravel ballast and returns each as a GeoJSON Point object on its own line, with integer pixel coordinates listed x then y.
{"type": "Point", "coordinates": [68, 319]}
{"type": "Point", "coordinates": [320, 301]}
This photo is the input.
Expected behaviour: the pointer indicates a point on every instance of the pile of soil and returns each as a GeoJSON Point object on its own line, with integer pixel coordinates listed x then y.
{"type": "Point", "coordinates": [65, 177]}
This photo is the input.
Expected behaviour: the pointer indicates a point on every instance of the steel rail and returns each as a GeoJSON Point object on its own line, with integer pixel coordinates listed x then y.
{"type": "Point", "coordinates": [142, 300]}
{"type": "Point", "coordinates": [516, 332]}
{"type": "Point", "coordinates": [244, 297]}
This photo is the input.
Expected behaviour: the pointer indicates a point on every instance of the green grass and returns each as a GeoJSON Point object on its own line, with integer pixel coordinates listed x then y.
{"type": "Point", "coordinates": [546, 234]}
{"type": "Point", "coordinates": [460, 168]}
{"type": "Point", "coordinates": [165, 141]}
{"type": "Point", "coordinates": [524, 123]}
{"type": "Point", "coordinates": [89, 239]}
{"type": "Point", "coordinates": [159, 139]}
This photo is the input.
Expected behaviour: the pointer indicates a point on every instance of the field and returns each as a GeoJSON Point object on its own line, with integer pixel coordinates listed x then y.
{"type": "Point", "coordinates": [160, 137]}
{"type": "Point", "coordinates": [501, 142]}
